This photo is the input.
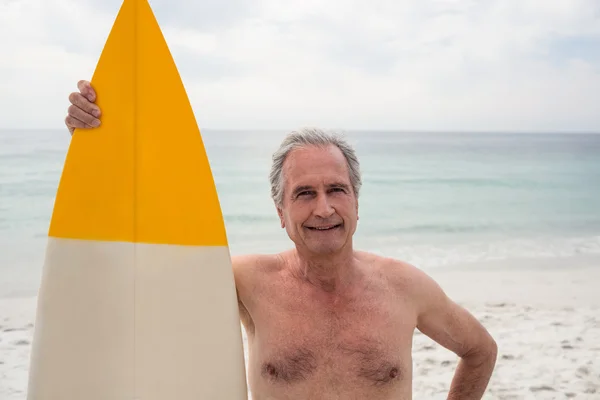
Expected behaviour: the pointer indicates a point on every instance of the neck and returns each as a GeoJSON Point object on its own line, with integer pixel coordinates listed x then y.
{"type": "Point", "coordinates": [331, 273]}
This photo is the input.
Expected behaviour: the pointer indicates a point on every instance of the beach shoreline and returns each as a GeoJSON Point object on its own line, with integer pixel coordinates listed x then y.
{"type": "Point", "coordinates": [544, 315]}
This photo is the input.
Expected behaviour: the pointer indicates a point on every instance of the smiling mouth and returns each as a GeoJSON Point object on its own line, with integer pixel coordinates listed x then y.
{"type": "Point", "coordinates": [324, 228]}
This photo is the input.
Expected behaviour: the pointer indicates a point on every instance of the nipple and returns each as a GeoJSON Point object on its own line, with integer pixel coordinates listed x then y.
{"type": "Point", "coordinates": [270, 370]}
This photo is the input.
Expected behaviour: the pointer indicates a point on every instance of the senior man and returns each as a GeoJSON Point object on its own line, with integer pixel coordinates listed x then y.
{"type": "Point", "coordinates": [324, 320]}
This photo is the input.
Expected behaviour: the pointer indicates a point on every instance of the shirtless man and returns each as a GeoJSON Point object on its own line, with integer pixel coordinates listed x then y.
{"type": "Point", "coordinates": [326, 321]}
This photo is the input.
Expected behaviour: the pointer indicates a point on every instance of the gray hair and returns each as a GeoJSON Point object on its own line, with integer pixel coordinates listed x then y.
{"type": "Point", "coordinates": [311, 137]}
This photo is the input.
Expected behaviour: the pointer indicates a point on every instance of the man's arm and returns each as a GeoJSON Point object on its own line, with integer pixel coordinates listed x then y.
{"type": "Point", "coordinates": [251, 272]}
{"type": "Point", "coordinates": [456, 329]}
{"type": "Point", "coordinates": [242, 271]}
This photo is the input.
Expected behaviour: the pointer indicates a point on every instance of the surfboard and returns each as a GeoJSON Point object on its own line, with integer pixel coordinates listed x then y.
{"type": "Point", "coordinates": [137, 299]}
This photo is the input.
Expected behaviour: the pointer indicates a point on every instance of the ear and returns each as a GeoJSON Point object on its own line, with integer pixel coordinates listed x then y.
{"type": "Point", "coordinates": [281, 219]}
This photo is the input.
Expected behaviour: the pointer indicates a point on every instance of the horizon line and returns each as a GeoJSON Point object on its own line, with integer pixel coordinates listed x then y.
{"type": "Point", "coordinates": [358, 130]}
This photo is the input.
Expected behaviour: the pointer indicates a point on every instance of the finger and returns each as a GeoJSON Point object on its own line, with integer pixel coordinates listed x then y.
{"type": "Point", "coordinates": [85, 87]}
{"type": "Point", "coordinates": [68, 121]}
{"type": "Point", "coordinates": [83, 116]}
{"type": "Point", "coordinates": [73, 123]}
{"type": "Point", "coordinates": [77, 99]}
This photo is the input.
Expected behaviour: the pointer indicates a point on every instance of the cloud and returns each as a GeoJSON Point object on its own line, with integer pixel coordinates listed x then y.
{"type": "Point", "coordinates": [419, 64]}
{"type": "Point", "coordinates": [202, 16]}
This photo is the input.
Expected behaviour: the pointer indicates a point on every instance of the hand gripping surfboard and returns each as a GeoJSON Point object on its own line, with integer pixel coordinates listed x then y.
{"type": "Point", "coordinates": [137, 298]}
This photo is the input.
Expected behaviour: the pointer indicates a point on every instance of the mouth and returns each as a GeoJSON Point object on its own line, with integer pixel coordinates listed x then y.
{"type": "Point", "coordinates": [324, 228]}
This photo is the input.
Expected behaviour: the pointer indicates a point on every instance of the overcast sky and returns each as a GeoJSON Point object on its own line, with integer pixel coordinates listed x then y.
{"type": "Point", "coordinates": [524, 65]}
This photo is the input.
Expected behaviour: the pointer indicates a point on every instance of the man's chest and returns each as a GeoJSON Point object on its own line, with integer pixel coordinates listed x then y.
{"type": "Point", "coordinates": [362, 340]}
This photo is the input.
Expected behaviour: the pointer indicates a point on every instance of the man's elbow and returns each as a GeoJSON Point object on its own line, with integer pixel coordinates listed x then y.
{"type": "Point", "coordinates": [492, 349]}
{"type": "Point", "coordinates": [485, 352]}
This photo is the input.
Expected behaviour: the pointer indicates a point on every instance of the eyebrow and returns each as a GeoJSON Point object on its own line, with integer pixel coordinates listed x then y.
{"type": "Point", "coordinates": [302, 188]}
{"type": "Point", "coordinates": [339, 185]}
{"type": "Point", "coordinates": [299, 189]}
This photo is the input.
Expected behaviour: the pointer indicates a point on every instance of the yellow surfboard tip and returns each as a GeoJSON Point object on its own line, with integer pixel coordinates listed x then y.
{"type": "Point", "coordinates": [143, 175]}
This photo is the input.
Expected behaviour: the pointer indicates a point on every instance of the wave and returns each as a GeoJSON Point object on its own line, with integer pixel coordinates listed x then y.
{"type": "Point", "coordinates": [460, 182]}
{"type": "Point", "coordinates": [439, 255]}
{"type": "Point", "coordinates": [249, 218]}
{"type": "Point", "coordinates": [442, 228]}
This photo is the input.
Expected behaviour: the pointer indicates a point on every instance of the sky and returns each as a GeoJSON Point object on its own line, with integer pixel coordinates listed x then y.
{"type": "Point", "coordinates": [443, 65]}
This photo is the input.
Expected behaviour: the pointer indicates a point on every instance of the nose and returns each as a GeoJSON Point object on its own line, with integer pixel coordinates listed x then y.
{"type": "Point", "coordinates": [323, 208]}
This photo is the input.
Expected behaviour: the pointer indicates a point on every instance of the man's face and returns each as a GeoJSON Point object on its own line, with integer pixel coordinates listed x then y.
{"type": "Point", "coordinates": [319, 209]}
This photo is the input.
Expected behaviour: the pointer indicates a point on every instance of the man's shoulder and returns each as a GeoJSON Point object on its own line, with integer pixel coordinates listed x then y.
{"type": "Point", "coordinates": [257, 263]}
{"type": "Point", "coordinates": [253, 271]}
{"type": "Point", "coordinates": [386, 264]}
{"type": "Point", "coordinates": [398, 272]}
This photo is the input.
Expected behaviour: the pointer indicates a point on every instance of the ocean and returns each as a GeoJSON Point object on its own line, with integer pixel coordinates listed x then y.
{"type": "Point", "coordinates": [437, 200]}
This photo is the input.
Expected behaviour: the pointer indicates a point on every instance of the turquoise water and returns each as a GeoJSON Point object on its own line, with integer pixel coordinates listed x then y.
{"type": "Point", "coordinates": [433, 199]}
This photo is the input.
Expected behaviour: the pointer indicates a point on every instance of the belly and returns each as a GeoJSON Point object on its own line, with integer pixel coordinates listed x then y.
{"type": "Point", "coordinates": [329, 393]}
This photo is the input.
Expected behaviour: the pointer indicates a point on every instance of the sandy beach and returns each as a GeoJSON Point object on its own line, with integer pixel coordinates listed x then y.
{"type": "Point", "coordinates": [545, 316]}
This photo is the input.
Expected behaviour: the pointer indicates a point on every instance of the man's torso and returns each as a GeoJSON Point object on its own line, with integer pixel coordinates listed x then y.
{"type": "Point", "coordinates": [305, 343]}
